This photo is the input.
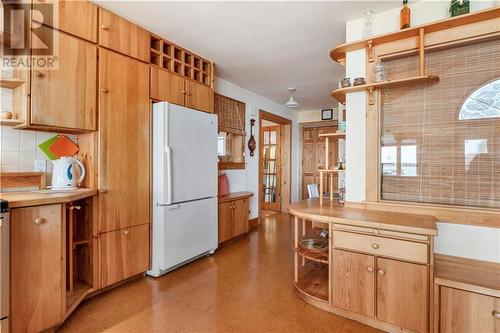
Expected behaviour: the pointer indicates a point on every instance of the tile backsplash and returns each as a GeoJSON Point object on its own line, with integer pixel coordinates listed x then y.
{"type": "Point", "coordinates": [19, 150]}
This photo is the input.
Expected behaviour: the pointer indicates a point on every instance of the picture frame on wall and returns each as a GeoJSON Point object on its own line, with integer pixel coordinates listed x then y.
{"type": "Point", "coordinates": [327, 114]}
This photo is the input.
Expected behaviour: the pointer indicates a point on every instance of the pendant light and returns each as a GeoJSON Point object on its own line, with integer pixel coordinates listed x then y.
{"type": "Point", "coordinates": [291, 102]}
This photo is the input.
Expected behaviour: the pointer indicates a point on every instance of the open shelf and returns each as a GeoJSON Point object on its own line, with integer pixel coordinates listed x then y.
{"type": "Point", "coordinates": [313, 281]}
{"type": "Point", "coordinates": [11, 83]}
{"type": "Point", "coordinates": [336, 134]}
{"type": "Point", "coordinates": [11, 122]}
{"type": "Point", "coordinates": [339, 94]}
{"type": "Point", "coordinates": [338, 53]}
{"type": "Point", "coordinates": [321, 257]}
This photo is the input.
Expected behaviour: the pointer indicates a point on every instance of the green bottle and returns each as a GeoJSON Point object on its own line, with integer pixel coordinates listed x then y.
{"type": "Point", "coordinates": [459, 7]}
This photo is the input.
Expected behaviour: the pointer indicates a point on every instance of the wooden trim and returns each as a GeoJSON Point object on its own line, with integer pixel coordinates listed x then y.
{"type": "Point", "coordinates": [273, 117]}
{"type": "Point", "coordinates": [442, 213]}
{"type": "Point", "coordinates": [231, 166]}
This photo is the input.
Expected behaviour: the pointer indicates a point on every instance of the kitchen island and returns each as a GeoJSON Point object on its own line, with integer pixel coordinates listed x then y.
{"type": "Point", "coordinates": [377, 269]}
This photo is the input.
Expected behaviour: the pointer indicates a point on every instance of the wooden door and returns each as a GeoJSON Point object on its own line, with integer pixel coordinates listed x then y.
{"type": "Point", "coordinates": [403, 294]}
{"type": "Point", "coordinates": [313, 155]}
{"type": "Point", "coordinates": [271, 173]}
{"type": "Point", "coordinates": [123, 36]}
{"type": "Point", "coordinates": [66, 97]}
{"type": "Point", "coordinates": [124, 142]}
{"type": "Point", "coordinates": [465, 312]}
{"type": "Point", "coordinates": [240, 217]}
{"type": "Point", "coordinates": [166, 86]}
{"type": "Point", "coordinates": [124, 253]}
{"type": "Point", "coordinates": [78, 18]}
{"type": "Point", "coordinates": [285, 162]}
{"type": "Point", "coordinates": [354, 282]}
{"type": "Point", "coordinates": [199, 96]}
{"type": "Point", "coordinates": [225, 221]}
{"type": "Point", "coordinates": [37, 268]}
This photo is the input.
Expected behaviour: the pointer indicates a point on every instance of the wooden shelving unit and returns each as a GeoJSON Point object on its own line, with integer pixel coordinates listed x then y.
{"type": "Point", "coordinates": [171, 57]}
{"type": "Point", "coordinates": [339, 94]}
{"type": "Point", "coordinates": [321, 257]}
{"type": "Point", "coordinates": [11, 83]}
{"type": "Point", "coordinates": [338, 54]}
{"type": "Point", "coordinates": [314, 281]}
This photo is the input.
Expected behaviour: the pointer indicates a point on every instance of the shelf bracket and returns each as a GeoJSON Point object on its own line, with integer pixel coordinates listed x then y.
{"type": "Point", "coordinates": [371, 99]}
{"type": "Point", "coordinates": [369, 45]}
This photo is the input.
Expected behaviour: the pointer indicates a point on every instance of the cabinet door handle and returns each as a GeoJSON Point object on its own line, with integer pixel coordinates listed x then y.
{"type": "Point", "coordinates": [38, 221]}
{"type": "Point", "coordinates": [104, 90]}
{"type": "Point", "coordinates": [495, 314]}
{"type": "Point", "coordinates": [375, 246]}
{"type": "Point", "coordinates": [376, 232]}
{"type": "Point", "coordinates": [188, 93]}
{"type": "Point", "coordinates": [183, 92]}
{"type": "Point", "coordinates": [381, 272]}
{"type": "Point", "coordinates": [103, 191]}
{"type": "Point", "coordinates": [104, 27]}
{"type": "Point", "coordinates": [126, 232]}
{"type": "Point", "coordinates": [369, 269]}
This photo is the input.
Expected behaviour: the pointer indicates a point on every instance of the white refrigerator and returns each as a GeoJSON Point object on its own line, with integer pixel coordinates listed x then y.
{"type": "Point", "coordinates": [184, 186]}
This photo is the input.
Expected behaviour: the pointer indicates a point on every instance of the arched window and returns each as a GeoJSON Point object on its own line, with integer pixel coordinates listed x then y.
{"type": "Point", "coordinates": [484, 102]}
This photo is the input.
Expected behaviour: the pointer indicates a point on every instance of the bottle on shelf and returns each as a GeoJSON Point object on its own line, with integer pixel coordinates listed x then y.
{"type": "Point", "coordinates": [404, 16]}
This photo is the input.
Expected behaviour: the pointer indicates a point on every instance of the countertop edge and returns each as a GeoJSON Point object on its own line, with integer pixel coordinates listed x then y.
{"type": "Point", "coordinates": [37, 199]}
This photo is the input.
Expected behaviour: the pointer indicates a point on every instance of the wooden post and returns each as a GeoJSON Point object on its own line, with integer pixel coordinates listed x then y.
{"type": "Point", "coordinates": [296, 245]}
{"type": "Point", "coordinates": [421, 53]}
{"type": "Point", "coordinates": [320, 187]}
{"type": "Point", "coordinates": [331, 186]}
{"type": "Point", "coordinates": [327, 156]}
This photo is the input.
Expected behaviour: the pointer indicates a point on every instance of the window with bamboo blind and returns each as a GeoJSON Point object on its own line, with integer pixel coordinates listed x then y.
{"type": "Point", "coordinates": [231, 140]}
{"type": "Point", "coordinates": [440, 143]}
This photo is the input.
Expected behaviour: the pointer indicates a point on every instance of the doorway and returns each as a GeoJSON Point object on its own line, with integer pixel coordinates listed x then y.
{"type": "Point", "coordinates": [274, 163]}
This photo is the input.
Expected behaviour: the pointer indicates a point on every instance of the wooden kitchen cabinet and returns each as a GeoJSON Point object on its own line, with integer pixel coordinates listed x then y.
{"type": "Point", "coordinates": [173, 88]}
{"type": "Point", "coordinates": [37, 268]}
{"type": "Point", "coordinates": [465, 312]}
{"type": "Point", "coordinates": [78, 18]}
{"type": "Point", "coordinates": [124, 142]}
{"type": "Point", "coordinates": [118, 34]}
{"type": "Point", "coordinates": [76, 76]}
{"type": "Point", "coordinates": [233, 215]}
{"type": "Point", "coordinates": [402, 294]}
{"type": "Point", "coordinates": [124, 253]}
{"type": "Point", "coordinates": [199, 96]}
{"type": "Point", "coordinates": [354, 282]}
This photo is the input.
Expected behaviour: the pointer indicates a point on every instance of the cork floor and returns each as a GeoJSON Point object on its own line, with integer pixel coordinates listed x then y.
{"type": "Point", "coordinates": [245, 287]}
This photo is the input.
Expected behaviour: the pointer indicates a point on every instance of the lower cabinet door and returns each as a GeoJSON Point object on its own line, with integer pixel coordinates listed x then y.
{"type": "Point", "coordinates": [403, 294]}
{"type": "Point", "coordinates": [225, 221]}
{"type": "Point", "coordinates": [124, 253]}
{"type": "Point", "coordinates": [36, 268]}
{"type": "Point", "coordinates": [240, 217]}
{"type": "Point", "coordinates": [466, 312]}
{"type": "Point", "coordinates": [354, 282]}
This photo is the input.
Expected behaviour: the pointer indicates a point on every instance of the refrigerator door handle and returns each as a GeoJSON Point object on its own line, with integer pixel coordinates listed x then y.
{"type": "Point", "coordinates": [168, 153]}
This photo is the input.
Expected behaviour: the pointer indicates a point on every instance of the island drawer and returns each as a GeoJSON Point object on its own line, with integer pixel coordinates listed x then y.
{"type": "Point", "coordinates": [400, 249]}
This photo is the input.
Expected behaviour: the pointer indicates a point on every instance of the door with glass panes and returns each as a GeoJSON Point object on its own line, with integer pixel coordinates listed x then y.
{"type": "Point", "coordinates": [271, 168]}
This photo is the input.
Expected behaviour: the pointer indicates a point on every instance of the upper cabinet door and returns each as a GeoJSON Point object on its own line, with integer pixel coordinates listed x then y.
{"type": "Point", "coordinates": [78, 18]}
{"type": "Point", "coordinates": [123, 36]}
{"type": "Point", "coordinates": [166, 86]}
{"type": "Point", "coordinates": [66, 97]}
{"type": "Point", "coordinates": [403, 294]}
{"type": "Point", "coordinates": [124, 144]}
{"type": "Point", "coordinates": [199, 96]}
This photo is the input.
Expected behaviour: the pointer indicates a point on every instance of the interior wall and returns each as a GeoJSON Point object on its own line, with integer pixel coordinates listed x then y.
{"type": "Point", "coordinates": [247, 179]}
{"type": "Point", "coordinates": [481, 243]}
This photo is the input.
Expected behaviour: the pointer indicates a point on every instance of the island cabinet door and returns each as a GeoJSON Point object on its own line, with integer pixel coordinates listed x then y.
{"type": "Point", "coordinates": [402, 294]}
{"type": "Point", "coordinates": [36, 268]}
{"type": "Point", "coordinates": [124, 142]}
{"type": "Point", "coordinates": [465, 312]}
{"type": "Point", "coordinates": [354, 282]}
{"type": "Point", "coordinates": [65, 97]}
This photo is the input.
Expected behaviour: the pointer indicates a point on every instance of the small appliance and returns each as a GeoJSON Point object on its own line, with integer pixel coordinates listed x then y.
{"type": "Point", "coordinates": [64, 176]}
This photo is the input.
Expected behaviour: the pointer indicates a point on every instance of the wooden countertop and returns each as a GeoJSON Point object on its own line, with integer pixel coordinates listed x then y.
{"type": "Point", "coordinates": [336, 213]}
{"type": "Point", "coordinates": [35, 198]}
{"type": "Point", "coordinates": [467, 274]}
{"type": "Point", "coordinates": [235, 196]}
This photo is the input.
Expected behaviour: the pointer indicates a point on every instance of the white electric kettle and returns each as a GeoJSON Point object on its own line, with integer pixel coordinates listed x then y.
{"type": "Point", "coordinates": [64, 176]}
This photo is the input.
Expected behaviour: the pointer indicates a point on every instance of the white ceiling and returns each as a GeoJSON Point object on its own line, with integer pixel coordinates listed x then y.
{"type": "Point", "coordinates": [264, 47]}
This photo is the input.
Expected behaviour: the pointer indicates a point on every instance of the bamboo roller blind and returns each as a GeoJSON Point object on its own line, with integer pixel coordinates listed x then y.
{"type": "Point", "coordinates": [457, 161]}
{"type": "Point", "coordinates": [231, 114]}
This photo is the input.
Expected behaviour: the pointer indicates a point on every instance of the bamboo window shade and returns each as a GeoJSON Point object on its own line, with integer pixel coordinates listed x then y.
{"type": "Point", "coordinates": [435, 156]}
{"type": "Point", "coordinates": [231, 114]}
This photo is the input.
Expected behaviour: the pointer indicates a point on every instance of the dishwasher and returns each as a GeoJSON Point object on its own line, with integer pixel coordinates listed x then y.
{"type": "Point", "coordinates": [4, 266]}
